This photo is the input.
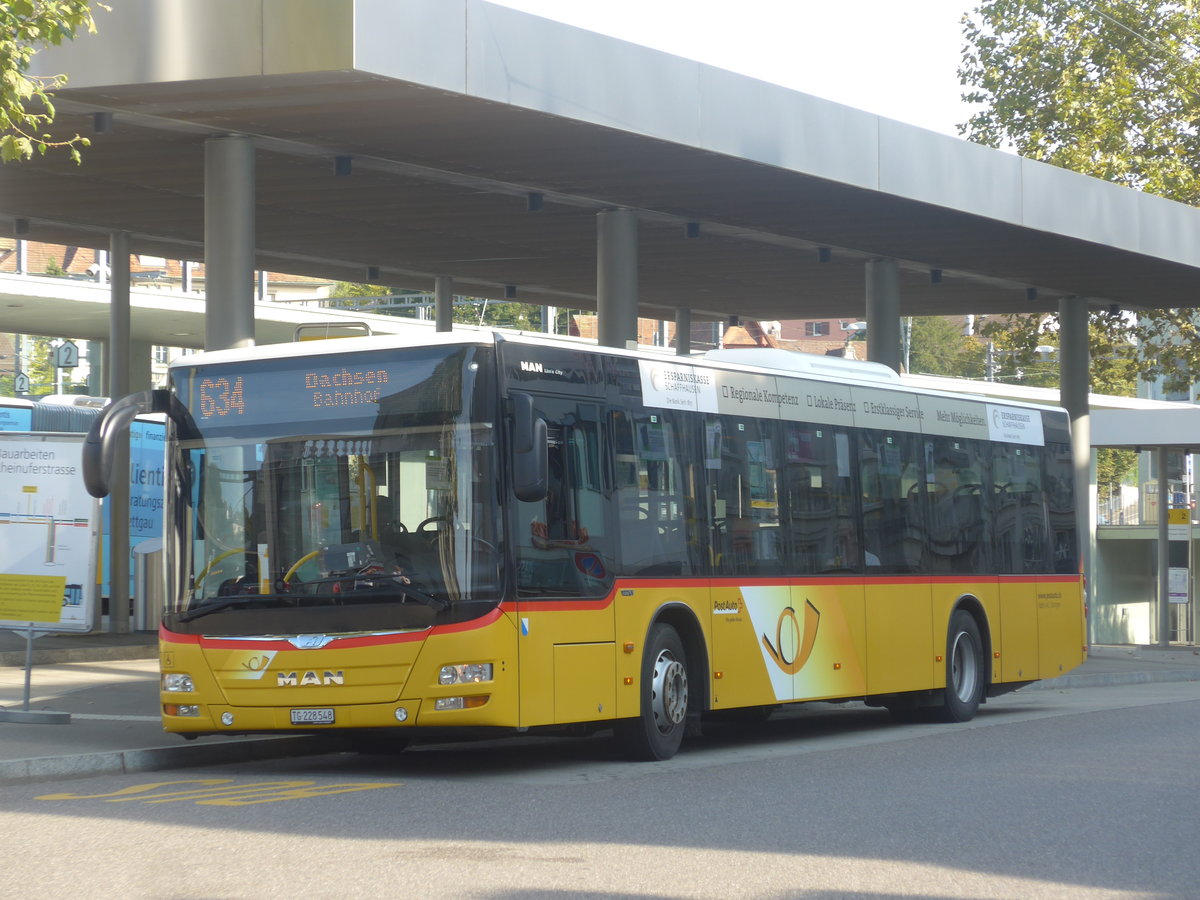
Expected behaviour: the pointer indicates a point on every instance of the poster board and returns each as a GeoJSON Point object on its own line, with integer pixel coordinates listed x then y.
{"type": "Point", "coordinates": [48, 532]}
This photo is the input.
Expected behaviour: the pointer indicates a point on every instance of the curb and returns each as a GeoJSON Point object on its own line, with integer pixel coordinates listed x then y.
{"type": "Point", "coordinates": [55, 655]}
{"type": "Point", "coordinates": [1112, 679]}
{"type": "Point", "coordinates": [153, 759]}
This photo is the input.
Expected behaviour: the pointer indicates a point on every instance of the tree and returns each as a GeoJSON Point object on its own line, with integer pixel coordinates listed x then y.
{"type": "Point", "coordinates": [1026, 354]}
{"type": "Point", "coordinates": [27, 26]}
{"type": "Point", "coordinates": [39, 366]}
{"type": "Point", "coordinates": [937, 346]}
{"type": "Point", "coordinates": [1108, 88]}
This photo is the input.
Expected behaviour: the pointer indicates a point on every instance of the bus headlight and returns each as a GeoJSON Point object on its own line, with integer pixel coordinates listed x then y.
{"type": "Point", "coordinates": [177, 682]}
{"type": "Point", "coordinates": [470, 673]}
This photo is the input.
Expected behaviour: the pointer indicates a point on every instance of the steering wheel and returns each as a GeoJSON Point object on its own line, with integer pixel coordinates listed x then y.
{"type": "Point", "coordinates": [422, 529]}
{"type": "Point", "coordinates": [213, 569]}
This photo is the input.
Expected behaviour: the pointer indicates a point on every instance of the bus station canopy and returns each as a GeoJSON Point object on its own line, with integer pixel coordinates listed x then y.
{"type": "Point", "coordinates": [401, 140]}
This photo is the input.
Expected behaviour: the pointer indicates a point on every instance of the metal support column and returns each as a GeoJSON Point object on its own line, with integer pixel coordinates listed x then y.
{"type": "Point", "coordinates": [1074, 362]}
{"type": "Point", "coordinates": [229, 242]}
{"type": "Point", "coordinates": [119, 356]}
{"type": "Point", "coordinates": [443, 293]}
{"type": "Point", "coordinates": [883, 312]}
{"type": "Point", "coordinates": [616, 276]}
{"type": "Point", "coordinates": [1163, 637]}
{"type": "Point", "coordinates": [683, 332]}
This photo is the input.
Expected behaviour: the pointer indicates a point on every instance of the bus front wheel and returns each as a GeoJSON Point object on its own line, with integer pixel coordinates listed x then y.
{"type": "Point", "coordinates": [964, 669]}
{"type": "Point", "coordinates": [657, 732]}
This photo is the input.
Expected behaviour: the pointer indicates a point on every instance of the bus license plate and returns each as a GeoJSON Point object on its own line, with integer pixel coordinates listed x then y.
{"type": "Point", "coordinates": [312, 716]}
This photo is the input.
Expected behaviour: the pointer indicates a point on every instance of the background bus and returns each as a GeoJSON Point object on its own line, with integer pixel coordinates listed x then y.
{"type": "Point", "coordinates": [515, 533]}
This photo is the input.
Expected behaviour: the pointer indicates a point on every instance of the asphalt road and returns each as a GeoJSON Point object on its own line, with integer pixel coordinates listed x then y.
{"type": "Point", "coordinates": [1083, 793]}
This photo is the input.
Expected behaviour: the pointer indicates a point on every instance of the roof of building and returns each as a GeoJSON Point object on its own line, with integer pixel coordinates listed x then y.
{"type": "Point", "coordinates": [482, 142]}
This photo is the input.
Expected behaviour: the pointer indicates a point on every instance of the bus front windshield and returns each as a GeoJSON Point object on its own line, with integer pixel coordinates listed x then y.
{"type": "Point", "coordinates": [367, 500]}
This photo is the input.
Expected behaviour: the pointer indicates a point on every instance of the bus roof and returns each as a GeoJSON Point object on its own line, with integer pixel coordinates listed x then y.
{"type": "Point", "coordinates": [766, 360]}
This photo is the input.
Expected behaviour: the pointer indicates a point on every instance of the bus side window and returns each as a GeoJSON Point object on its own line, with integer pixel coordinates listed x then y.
{"type": "Point", "coordinates": [1060, 488]}
{"type": "Point", "coordinates": [1022, 543]}
{"type": "Point", "coordinates": [959, 506]}
{"type": "Point", "coordinates": [563, 543]}
{"type": "Point", "coordinates": [746, 529]}
{"type": "Point", "coordinates": [819, 500]}
{"type": "Point", "coordinates": [893, 501]}
{"type": "Point", "coordinates": [658, 526]}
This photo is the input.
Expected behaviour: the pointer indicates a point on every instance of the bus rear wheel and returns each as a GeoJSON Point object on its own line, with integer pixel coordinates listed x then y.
{"type": "Point", "coordinates": [964, 669]}
{"type": "Point", "coordinates": [657, 732]}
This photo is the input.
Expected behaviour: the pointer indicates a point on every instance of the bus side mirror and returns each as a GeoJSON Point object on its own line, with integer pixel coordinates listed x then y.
{"type": "Point", "coordinates": [529, 450]}
{"type": "Point", "coordinates": [100, 445]}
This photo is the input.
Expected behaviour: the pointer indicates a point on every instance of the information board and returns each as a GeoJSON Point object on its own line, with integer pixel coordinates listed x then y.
{"type": "Point", "coordinates": [48, 528]}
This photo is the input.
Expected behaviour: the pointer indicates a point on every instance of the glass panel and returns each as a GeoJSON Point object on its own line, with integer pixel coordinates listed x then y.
{"type": "Point", "coordinates": [959, 503]}
{"type": "Point", "coordinates": [1020, 509]}
{"type": "Point", "coordinates": [893, 497]}
{"type": "Point", "coordinates": [820, 500]}
{"type": "Point", "coordinates": [1060, 484]}
{"type": "Point", "coordinates": [563, 544]}
{"type": "Point", "coordinates": [389, 526]}
{"type": "Point", "coordinates": [659, 532]}
{"type": "Point", "coordinates": [746, 533]}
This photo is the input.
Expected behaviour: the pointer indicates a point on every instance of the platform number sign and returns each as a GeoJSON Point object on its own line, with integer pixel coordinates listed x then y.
{"type": "Point", "coordinates": [21, 384]}
{"type": "Point", "coordinates": [66, 355]}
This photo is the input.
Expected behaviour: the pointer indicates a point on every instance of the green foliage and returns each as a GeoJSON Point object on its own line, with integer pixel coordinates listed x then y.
{"type": "Point", "coordinates": [1105, 87]}
{"type": "Point", "coordinates": [499, 314]}
{"type": "Point", "coordinates": [937, 346]}
{"type": "Point", "coordinates": [1113, 365]}
{"type": "Point", "coordinates": [1111, 89]}
{"type": "Point", "coordinates": [39, 366]}
{"type": "Point", "coordinates": [26, 108]}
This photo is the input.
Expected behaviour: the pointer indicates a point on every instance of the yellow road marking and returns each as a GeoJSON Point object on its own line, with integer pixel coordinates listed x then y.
{"type": "Point", "coordinates": [224, 792]}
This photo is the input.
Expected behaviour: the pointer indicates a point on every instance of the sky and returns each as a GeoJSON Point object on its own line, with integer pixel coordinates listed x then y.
{"type": "Point", "coordinates": [897, 58]}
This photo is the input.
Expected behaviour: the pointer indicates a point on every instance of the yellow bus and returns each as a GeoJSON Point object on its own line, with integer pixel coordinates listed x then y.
{"type": "Point", "coordinates": [403, 539]}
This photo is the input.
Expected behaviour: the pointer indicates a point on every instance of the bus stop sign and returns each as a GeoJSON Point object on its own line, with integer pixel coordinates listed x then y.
{"type": "Point", "coordinates": [66, 355]}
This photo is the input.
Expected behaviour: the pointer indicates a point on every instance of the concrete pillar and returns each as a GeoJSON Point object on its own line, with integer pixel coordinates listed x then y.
{"type": "Point", "coordinates": [616, 276]}
{"type": "Point", "coordinates": [229, 242]}
{"type": "Point", "coordinates": [683, 332]}
{"type": "Point", "coordinates": [96, 376]}
{"type": "Point", "coordinates": [883, 312]}
{"type": "Point", "coordinates": [1074, 362]}
{"type": "Point", "coordinates": [119, 355]}
{"type": "Point", "coordinates": [140, 375]}
{"type": "Point", "coordinates": [443, 293]}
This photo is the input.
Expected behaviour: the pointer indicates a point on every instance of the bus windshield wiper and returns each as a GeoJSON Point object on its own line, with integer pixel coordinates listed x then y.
{"type": "Point", "coordinates": [221, 603]}
{"type": "Point", "coordinates": [407, 589]}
